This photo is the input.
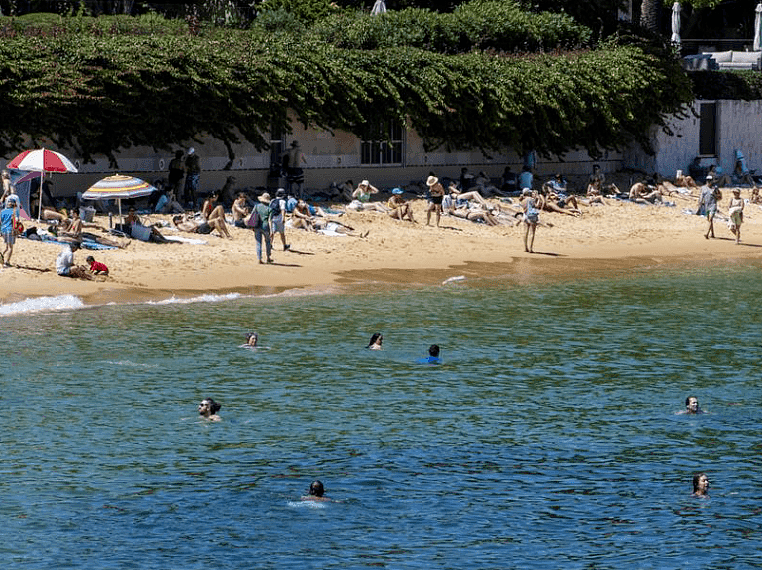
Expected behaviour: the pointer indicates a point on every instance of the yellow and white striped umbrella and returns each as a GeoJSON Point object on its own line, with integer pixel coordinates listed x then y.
{"type": "Point", "coordinates": [118, 187]}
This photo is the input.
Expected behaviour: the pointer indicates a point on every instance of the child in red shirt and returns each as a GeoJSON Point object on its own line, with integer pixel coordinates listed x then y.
{"type": "Point", "coordinates": [96, 266]}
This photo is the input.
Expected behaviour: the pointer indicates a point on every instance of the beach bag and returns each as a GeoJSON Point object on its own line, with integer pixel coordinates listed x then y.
{"type": "Point", "coordinates": [253, 220]}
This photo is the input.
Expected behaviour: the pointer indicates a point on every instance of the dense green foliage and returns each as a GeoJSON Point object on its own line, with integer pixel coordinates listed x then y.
{"type": "Point", "coordinates": [743, 85]}
{"type": "Point", "coordinates": [99, 85]}
{"type": "Point", "coordinates": [479, 24]}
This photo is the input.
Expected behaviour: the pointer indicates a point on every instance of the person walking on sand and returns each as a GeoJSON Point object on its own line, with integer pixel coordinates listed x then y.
{"type": "Point", "coordinates": [192, 177]}
{"type": "Point", "coordinates": [436, 195]}
{"type": "Point", "coordinates": [262, 228]}
{"type": "Point", "coordinates": [531, 217]}
{"type": "Point", "coordinates": [277, 217]}
{"type": "Point", "coordinates": [735, 212]}
{"type": "Point", "coordinates": [8, 222]}
{"type": "Point", "coordinates": [710, 195]}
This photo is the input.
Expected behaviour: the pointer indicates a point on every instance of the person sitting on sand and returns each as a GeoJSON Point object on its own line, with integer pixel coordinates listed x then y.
{"type": "Point", "coordinates": [212, 211]}
{"type": "Point", "coordinates": [716, 173]}
{"type": "Point", "coordinates": [685, 181]}
{"type": "Point", "coordinates": [735, 213]}
{"type": "Point", "coordinates": [316, 492]}
{"type": "Point", "coordinates": [301, 217]}
{"type": "Point", "coordinates": [550, 203]}
{"type": "Point", "coordinates": [361, 198]}
{"type": "Point", "coordinates": [559, 201]}
{"type": "Point", "coordinates": [240, 211]}
{"type": "Point", "coordinates": [97, 267]}
{"type": "Point", "coordinates": [376, 341]}
{"type": "Point", "coordinates": [594, 194]}
{"type": "Point", "coordinates": [73, 227]}
{"type": "Point", "coordinates": [65, 263]}
{"type": "Point", "coordinates": [183, 223]}
{"type": "Point", "coordinates": [691, 406]}
{"type": "Point", "coordinates": [700, 485]}
{"type": "Point", "coordinates": [399, 209]}
{"type": "Point", "coordinates": [208, 409]}
{"type": "Point", "coordinates": [597, 178]}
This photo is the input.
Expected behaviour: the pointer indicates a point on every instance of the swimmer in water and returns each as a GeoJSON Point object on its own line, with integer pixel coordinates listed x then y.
{"type": "Point", "coordinates": [316, 492]}
{"type": "Point", "coordinates": [376, 341]}
{"type": "Point", "coordinates": [208, 409]}
{"type": "Point", "coordinates": [691, 406]}
{"type": "Point", "coordinates": [700, 485]}
{"type": "Point", "coordinates": [433, 357]}
{"type": "Point", "coordinates": [252, 341]}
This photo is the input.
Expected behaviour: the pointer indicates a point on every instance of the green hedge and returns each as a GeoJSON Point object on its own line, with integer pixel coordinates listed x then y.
{"type": "Point", "coordinates": [101, 94]}
{"type": "Point", "coordinates": [741, 85]}
{"type": "Point", "coordinates": [480, 24]}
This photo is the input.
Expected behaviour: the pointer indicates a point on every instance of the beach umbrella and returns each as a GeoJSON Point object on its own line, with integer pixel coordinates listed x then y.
{"type": "Point", "coordinates": [378, 8]}
{"type": "Point", "coordinates": [118, 187]}
{"type": "Point", "coordinates": [758, 27]}
{"type": "Point", "coordinates": [676, 23]}
{"type": "Point", "coordinates": [41, 160]}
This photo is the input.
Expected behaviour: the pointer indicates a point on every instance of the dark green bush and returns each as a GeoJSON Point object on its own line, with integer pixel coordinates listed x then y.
{"type": "Point", "coordinates": [736, 85]}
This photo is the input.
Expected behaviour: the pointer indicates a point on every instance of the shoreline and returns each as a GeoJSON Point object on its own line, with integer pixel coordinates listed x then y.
{"type": "Point", "coordinates": [605, 240]}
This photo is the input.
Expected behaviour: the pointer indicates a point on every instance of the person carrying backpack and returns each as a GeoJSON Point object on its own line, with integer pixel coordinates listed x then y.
{"type": "Point", "coordinates": [259, 221]}
{"type": "Point", "coordinates": [277, 215]}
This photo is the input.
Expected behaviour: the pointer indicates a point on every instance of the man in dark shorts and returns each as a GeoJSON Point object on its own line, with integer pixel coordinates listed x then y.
{"type": "Point", "coordinates": [436, 194]}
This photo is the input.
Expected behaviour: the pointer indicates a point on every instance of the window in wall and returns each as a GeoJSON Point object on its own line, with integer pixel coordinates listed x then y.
{"type": "Point", "coordinates": [277, 144]}
{"type": "Point", "coordinates": [708, 129]}
{"type": "Point", "coordinates": [383, 144]}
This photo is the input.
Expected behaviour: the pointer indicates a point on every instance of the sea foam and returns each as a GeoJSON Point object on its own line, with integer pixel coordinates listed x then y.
{"type": "Point", "coordinates": [42, 304]}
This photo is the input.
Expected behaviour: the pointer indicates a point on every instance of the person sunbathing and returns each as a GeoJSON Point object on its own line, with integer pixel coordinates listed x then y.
{"type": "Point", "coordinates": [399, 209]}
{"type": "Point", "coordinates": [183, 223]}
{"type": "Point", "coordinates": [643, 194]}
{"type": "Point", "coordinates": [474, 215]}
{"type": "Point", "coordinates": [52, 215]}
{"type": "Point", "coordinates": [685, 181]}
{"type": "Point", "coordinates": [594, 195]}
{"type": "Point", "coordinates": [550, 203]}
{"type": "Point", "coordinates": [325, 225]}
{"type": "Point", "coordinates": [458, 197]}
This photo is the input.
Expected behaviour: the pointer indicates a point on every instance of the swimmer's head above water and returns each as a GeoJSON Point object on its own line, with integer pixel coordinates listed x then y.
{"type": "Point", "coordinates": [434, 350]}
{"type": "Point", "coordinates": [316, 489]}
{"type": "Point", "coordinates": [376, 341]}
{"type": "Point", "coordinates": [692, 405]}
{"type": "Point", "coordinates": [700, 484]}
{"type": "Point", "coordinates": [252, 338]}
{"type": "Point", "coordinates": [208, 407]}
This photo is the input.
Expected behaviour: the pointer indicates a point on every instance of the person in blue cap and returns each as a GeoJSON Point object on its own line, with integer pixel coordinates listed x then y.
{"type": "Point", "coordinates": [399, 209]}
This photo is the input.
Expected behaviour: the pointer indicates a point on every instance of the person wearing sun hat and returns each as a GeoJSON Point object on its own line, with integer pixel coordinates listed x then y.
{"type": "Point", "coordinates": [436, 194]}
{"type": "Point", "coordinates": [262, 229]}
{"type": "Point", "coordinates": [735, 213]}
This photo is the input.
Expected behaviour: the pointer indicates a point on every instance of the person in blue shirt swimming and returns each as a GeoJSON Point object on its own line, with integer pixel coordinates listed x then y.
{"type": "Point", "coordinates": [433, 357]}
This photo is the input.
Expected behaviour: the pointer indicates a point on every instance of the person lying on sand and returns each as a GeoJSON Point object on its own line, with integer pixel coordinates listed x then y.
{"type": "Point", "coordinates": [641, 193]}
{"type": "Point", "coordinates": [183, 223]}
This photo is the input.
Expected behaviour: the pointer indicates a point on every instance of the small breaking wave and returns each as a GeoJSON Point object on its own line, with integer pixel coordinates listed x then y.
{"type": "Point", "coordinates": [41, 305]}
{"type": "Point", "coordinates": [206, 298]}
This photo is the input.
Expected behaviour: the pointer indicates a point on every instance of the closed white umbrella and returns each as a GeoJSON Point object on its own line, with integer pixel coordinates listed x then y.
{"type": "Point", "coordinates": [378, 8]}
{"type": "Point", "coordinates": [676, 8]}
{"type": "Point", "coordinates": [758, 28]}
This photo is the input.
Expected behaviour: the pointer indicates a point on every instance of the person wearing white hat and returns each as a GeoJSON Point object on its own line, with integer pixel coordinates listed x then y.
{"type": "Point", "coordinates": [361, 198]}
{"type": "Point", "coordinates": [262, 228]}
{"type": "Point", "coordinates": [192, 177]}
{"type": "Point", "coordinates": [735, 213]}
{"type": "Point", "coordinates": [436, 194]}
{"type": "Point", "coordinates": [707, 204]}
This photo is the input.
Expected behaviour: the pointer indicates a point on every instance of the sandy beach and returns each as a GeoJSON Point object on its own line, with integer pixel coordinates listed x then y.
{"type": "Point", "coordinates": [611, 238]}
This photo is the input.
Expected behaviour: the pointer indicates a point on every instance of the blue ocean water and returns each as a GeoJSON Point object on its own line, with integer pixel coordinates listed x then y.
{"type": "Point", "coordinates": [547, 438]}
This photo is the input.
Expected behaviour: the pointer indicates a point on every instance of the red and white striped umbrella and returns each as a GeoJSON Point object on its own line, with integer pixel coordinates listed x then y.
{"type": "Point", "coordinates": [42, 160]}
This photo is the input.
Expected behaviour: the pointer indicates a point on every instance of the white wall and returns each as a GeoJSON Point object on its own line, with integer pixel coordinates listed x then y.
{"type": "Point", "coordinates": [738, 126]}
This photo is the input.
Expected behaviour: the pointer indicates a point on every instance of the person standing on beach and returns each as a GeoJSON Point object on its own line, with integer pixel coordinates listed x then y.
{"type": "Point", "coordinates": [8, 221]}
{"type": "Point", "coordinates": [262, 229]}
{"type": "Point", "coordinates": [293, 160]}
{"type": "Point", "coordinates": [277, 217]}
{"type": "Point", "coordinates": [175, 176]}
{"type": "Point", "coordinates": [710, 195]}
{"type": "Point", "coordinates": [531, 217]}
{"type": "Point", "coordinates": [192, 177]}
{"type": "Point", "coordinates": [436, 195]}
{"type": "Point", "coordinates": [735, 212]}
